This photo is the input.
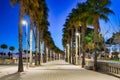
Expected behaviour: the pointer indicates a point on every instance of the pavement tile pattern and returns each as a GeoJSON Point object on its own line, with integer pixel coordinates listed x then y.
{"type": "Point", "coordinates": [56, 70]}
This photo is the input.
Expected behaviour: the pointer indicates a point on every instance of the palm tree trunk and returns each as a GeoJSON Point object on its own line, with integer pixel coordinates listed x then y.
{"type": "Point", "coordinates": [59, 56]}
{"type": "Point", "coordinates": [83, 44]}
{"type": "Point", "coordinates": [31, 34]}
{"type": "Point", "coordinates": [54, 56]}
{"type": "Point", "coordinates": [3, 54]}
{"type": "Point", "coordinates": [50, 54]}
{"type": "Point", "coordinates": [72, 32]}
{"type": "Point", "coordinates": [76, 47]}
{"type": "Point", "coordinates": [96, 27]}
{"type": "Point", "coordinates": [45, 55]}
{"type": "Point", "coordinates": [41, 57]}
{"type": "Point", "coordinates": [39, 48]}
{"type": "Point", "coordinates": [68, 52]}
{"type": "Point", "coordinates": [20, 64]}
{"type": "Point", "coordinates": [36, 45]}
{"type": "Point", "coordinates": [70, 58]}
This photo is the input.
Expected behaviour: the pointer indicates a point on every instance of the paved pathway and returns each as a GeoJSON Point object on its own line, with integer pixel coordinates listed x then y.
{"type": "Point", "coordinates": [8, 69]}
{"type": "Point", "coordinates": [58, 70]}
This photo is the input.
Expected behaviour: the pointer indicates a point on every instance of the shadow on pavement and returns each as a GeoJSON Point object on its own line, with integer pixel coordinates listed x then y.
{"type": "Point", "coordinates": [60, 69]}
{"type": "Point", "coordinates": [117, 76]}
{"type": "Point", "coordinates": [14, 76]}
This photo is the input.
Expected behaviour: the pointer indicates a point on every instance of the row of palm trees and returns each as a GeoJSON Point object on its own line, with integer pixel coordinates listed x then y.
{"type": "Point", "coordinates": [86, 13]}
{"type": "Point", "coordinates": [4, 46]}
{"type": "Point", "coordinates": [37, 10]}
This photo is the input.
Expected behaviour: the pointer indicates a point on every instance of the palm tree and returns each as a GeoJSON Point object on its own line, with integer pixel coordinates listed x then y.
{"type": "Point", "coordinates": [66, 42]}
{"type": "Point", "coordinates": [46, 37]}
{"type": "Point", "coordinates": [30, 9]}
{"type": "Point", "coordinates": [42, 31]}
{"type": "Point", "coordinates": [72, 25]}
{"type": "Point", "coordinates": [3, 46]}
{"type": "Point", "coordinates": [83, 16]}
{"type": "Point", "coordinates": [42, 15]}
{"type": "Point", "coordinates": [72, 45]}
{"type": "Point", "coordinates": [76, 23]}
{"type": "Point", "coordinates": [36, 36]}
{"type": "Point", "coordinates": [22, 4]}
{"type": "Point", "coordinates": [40, 47]}
{"type": "Point", "coordinates": [98, 10]}
{"type": "Point", "coordinates": [11, 48]}
{"type": "Point", "coordinates": [51, 46]}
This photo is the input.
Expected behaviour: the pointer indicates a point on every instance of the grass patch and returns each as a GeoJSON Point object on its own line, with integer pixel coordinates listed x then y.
{"type": "Point", "coordinates": [113, 59]}
{"type": "Point", "coordinates": [116, 60]}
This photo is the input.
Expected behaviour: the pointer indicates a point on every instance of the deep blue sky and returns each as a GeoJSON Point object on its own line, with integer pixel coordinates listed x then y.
{"type": "Point", "coordinates": [58, 11]}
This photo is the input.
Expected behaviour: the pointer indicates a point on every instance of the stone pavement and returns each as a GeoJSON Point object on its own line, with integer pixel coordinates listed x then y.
{"type": "Point", "coordinates": [58, 70]}
{"type": "Point", "coordinates": [8, 69]}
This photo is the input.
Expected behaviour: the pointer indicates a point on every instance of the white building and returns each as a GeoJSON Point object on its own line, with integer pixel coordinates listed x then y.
{"type": "Point", "coordinates": [113, 48]}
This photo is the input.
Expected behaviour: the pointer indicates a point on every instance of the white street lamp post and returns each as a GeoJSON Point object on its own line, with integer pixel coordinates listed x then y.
{"type": "Point", "coordinates": [26, 24]}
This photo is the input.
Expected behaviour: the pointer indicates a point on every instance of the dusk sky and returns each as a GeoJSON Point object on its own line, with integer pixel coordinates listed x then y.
{"type": "Point", "coordinates": [58, 11]}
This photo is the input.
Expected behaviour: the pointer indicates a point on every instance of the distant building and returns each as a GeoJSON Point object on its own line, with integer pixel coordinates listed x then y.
{"type": "Point", "coordinates": [113, 48]}
{"type": "Point", "coordinates": [113, 44]}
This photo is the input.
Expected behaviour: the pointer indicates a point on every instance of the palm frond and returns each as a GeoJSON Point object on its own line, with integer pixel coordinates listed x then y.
{"type": "Point", "coordinates": [107, 11]}
{"type": "Point", "coordinates": [104, 17]}
{"type": "Point", "coordinates": [13, 2]}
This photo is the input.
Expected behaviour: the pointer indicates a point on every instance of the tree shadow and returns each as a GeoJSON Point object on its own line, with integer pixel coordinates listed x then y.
{"type": "Point", "coordinates": [14, 76]}
{"type": "Point", "coordinates": [106, 73]}
{"type": "Point", "coordinates": [110, 74]}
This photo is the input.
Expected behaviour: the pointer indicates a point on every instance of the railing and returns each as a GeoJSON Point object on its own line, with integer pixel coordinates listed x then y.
{"type": "Point", "coordinates": [105, 66]}
{"type": "Point", "coordinates": [6, 61]}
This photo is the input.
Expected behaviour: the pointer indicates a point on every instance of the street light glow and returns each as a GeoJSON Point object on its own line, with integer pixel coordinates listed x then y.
{"type": "Point", "coordinates": [24, 22]}
{"type": "Point", "coordinates": [77, 34]}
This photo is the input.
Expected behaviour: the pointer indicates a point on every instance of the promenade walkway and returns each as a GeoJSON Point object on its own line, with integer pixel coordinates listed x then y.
{"type": "Point", "coordinates": [57, 70]}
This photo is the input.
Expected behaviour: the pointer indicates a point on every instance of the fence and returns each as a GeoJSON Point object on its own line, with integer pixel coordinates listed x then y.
{"type": "Point", "coordinates": [105, 66]}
